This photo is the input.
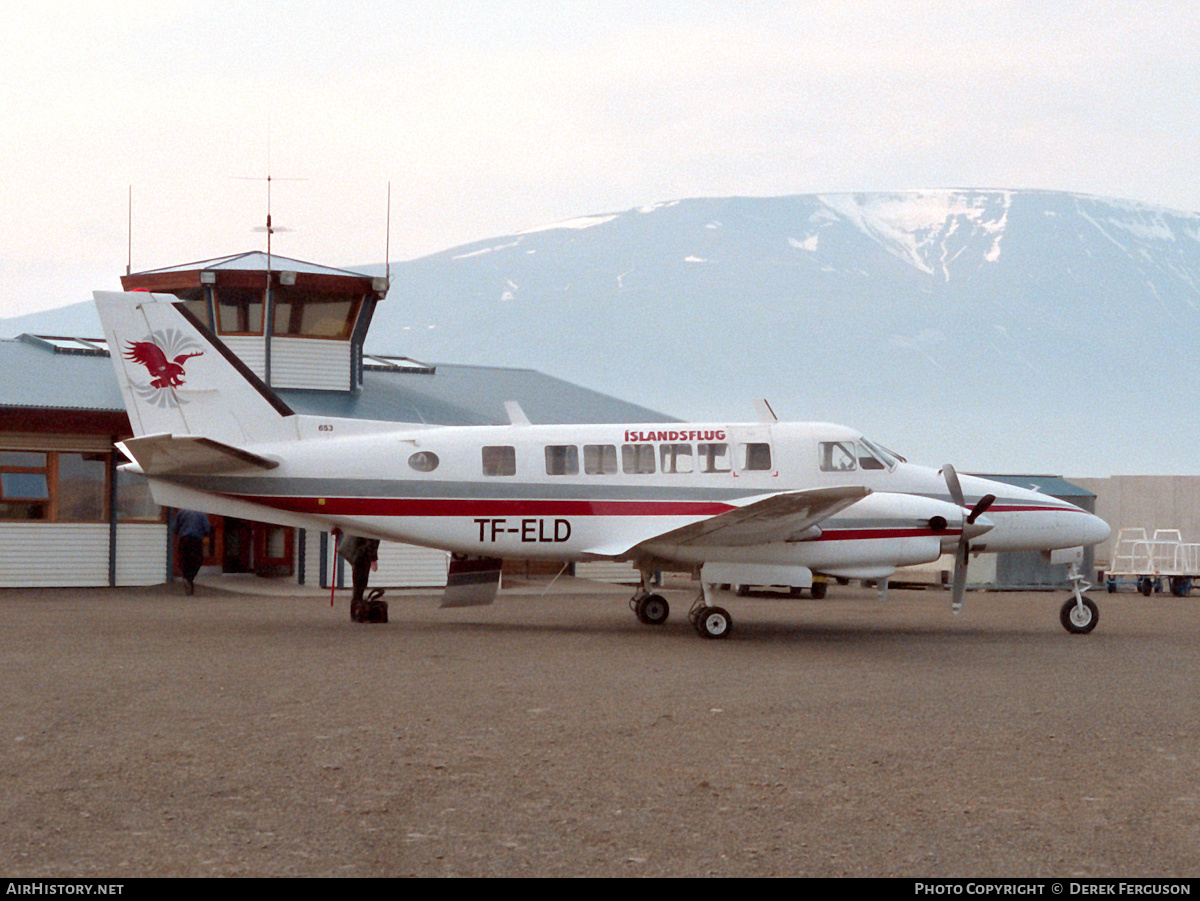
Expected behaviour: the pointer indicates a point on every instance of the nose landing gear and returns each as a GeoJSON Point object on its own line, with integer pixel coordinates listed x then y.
{"type": "Point", "coordinates": [1079, 615]}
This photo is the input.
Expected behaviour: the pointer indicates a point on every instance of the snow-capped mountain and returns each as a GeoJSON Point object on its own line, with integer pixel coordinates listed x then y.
{"type": "Point", "coordinates": [1001, 330]}
{"type": "Point", "coordinates": [998, 330]}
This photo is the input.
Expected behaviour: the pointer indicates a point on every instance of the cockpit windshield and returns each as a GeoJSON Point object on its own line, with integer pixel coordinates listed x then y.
{"type": "Point", "coordinates": [849, 456]}
{"type": "Point", "coordinates": [882, 453]}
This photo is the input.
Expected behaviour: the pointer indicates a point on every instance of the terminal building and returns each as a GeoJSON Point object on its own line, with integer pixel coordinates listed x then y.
{"type": "Point", "coordinates": [68, 515]}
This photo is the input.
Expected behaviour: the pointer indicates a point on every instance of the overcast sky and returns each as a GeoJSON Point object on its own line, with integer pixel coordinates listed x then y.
{"type": "Point", "coordinates": [492, 117]}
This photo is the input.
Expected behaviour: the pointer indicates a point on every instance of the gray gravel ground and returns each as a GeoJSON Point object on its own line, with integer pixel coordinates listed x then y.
{"type": "Point", "coordinates": [145, 733]}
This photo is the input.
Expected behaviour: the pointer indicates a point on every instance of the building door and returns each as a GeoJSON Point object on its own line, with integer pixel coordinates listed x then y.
{"type": "Point", "coordinates": [238, 556]}
{"type": "Point", "coordinates": [273, 550]}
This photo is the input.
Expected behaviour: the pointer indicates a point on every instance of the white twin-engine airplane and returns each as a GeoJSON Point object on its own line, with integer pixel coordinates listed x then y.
{"type": "Point", "coordinates": [770, 503]}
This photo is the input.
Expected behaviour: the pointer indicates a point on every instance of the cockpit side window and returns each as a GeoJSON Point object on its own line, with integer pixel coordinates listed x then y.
{"type": "Point", "coordinates": [838, 456]}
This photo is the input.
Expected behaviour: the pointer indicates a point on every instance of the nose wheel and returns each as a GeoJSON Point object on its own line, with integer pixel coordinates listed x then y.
{"type": "Point", "coordinates": [1079, 615]}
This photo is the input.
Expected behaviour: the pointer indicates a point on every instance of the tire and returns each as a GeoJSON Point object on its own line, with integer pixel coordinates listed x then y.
{"type": "Point", "coordinates": [653, 610]}
{"type": "Point", "coordinates": [819, 589]}
{"type": "Point", "coordinates": [714, 622]}
{"type": "Point", "coordinates": [1076, 621]}
{"type": "Point", "coordinates": [1146, 586]}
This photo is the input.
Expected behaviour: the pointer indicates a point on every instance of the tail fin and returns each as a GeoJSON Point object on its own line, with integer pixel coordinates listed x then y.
{"type": "Point", "coordinates": [178, 378]}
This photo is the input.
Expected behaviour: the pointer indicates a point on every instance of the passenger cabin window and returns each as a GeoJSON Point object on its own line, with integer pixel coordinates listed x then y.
{"type": "Point", "coordinates": [637, 459]}
{"type": "Point", "coordinates": [562, 460]}
{"type": "Point", "coordinates": [500, 461]}
{"type": "Point", "coordinates": [714, 457]}
{"type": "Point", "coordinates": [675, 457]}
{"type": "Point", "coordinates": [755, 457]}
{"type": "Point", "coordinates": [599, 459]}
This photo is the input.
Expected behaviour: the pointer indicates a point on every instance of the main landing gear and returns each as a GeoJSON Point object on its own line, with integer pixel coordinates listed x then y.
{"type": "Point", "coordinates": [1079, 615]}
{"type": "Point", "coordinates": [652, 609]}
{"type": "Point", "coordinates": [710, 621]}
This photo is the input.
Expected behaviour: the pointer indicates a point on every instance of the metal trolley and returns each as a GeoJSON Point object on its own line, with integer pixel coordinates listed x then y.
{"type": "Point", "coordinates": [1149, 564]}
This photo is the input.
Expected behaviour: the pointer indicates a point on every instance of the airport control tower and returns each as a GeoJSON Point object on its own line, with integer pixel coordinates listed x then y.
{"type": "Point", "coordinates": [318, 315]}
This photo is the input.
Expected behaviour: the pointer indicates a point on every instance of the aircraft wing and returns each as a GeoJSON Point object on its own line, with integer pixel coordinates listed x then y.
{"type": "Point", "coordinates": [777, 517]}
{"type": "Point", "coordinates": [165, 454]}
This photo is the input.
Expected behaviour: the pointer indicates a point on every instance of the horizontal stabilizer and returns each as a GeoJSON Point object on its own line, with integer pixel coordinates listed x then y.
{"type": "Point", "coordinates": [190, 454]}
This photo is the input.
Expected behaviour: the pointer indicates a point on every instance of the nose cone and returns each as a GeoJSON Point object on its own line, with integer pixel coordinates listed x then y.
{"type": "Point", "coordinates": [1094, 530]}
{"type": "Point", "coordinates": [981, 526]}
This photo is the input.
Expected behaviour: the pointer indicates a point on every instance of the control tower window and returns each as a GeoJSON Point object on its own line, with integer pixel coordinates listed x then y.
{"type": "Point", "coordinates": [311, 314]}
{"type": "Point", "coordinates": [196, 302]}
{"type": "Point", "coordinates": [239, 311]}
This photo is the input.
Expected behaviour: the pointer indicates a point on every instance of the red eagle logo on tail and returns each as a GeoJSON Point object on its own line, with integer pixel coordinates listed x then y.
{"type": "Point", "coordinates": [165, 373]}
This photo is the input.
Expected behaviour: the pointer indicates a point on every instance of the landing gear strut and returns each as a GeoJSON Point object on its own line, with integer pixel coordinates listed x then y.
{"type": "Point", "coordinates": [1078, 615]}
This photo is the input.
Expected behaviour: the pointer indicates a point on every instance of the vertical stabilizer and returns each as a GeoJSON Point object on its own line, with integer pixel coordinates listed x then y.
{"type": "Point", "coordinates": [178, 378]}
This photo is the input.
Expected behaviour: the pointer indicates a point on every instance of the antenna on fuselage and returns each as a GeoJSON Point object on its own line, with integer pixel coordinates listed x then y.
{"type": "Point", "coordinates": [516, 415]}
{"type": "Point", "coordinates": [765, 413]}
{"type": "Point", "coordinates": [387, 241]}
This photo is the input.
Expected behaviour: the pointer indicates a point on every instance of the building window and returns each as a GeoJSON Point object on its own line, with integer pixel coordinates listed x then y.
{"type": "Point", "coordinates": [562, 460]}
{"type": "Point", "coordinates": [133, 498]}
{"type": "Point", "coordinates": [311, 314]}
{"type": "Point", "coordinates": [599, 459]}
{"type": "Point", "coordinates": [24, 485]}
{"type": "Point", "coordinates": [239, 311]}
{"type": "Point", "coordinates": [500, 461]}
{"type": "Point", "coordinates": [82, 488]}
{"type": "Point", "coordinates": [54, 486]}
{"type": "Point", "coordinates": [196, 301]}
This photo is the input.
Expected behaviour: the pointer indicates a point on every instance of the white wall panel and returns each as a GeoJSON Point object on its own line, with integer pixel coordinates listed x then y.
{"type": "Point", "coordinates": [310, 363]}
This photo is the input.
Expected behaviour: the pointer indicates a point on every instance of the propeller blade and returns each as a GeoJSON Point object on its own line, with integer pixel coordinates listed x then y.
{"type": "Point", "coordinates": [959, 588]}
{"type": "Point", "coordinates": [978, 510]}
{"type": "Point", "coordinates": [956, 492]}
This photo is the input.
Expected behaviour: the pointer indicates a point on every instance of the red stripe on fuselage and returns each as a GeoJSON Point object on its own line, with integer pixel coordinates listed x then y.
{"type": "Point", "coordinates": [394, 506]}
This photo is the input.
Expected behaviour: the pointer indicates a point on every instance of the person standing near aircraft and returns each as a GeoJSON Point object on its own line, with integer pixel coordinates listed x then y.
{"type": "Point", "coordinates": [192, 527]}
{"type": "Point", "coordinates": [363, 556]}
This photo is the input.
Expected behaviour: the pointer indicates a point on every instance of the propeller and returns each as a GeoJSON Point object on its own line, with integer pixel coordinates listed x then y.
{"type": "Point", "coordinates": [963, 552]}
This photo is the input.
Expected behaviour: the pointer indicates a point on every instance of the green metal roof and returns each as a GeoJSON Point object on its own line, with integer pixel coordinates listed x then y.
{"type": "Point", "coordinates": [74, 374]}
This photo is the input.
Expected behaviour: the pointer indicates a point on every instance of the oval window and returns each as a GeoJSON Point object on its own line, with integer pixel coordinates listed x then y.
{"type": "Point", "coordinates": [423, 461]}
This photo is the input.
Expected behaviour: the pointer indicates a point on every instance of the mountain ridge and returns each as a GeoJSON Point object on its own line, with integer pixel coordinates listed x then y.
{"type": "Point", "coordinates": [999, 329]}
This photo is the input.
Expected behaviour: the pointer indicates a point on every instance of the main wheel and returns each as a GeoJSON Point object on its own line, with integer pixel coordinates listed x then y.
{"type": "Point", "coordinates": [1076, 620]}
{"type": "Point", "coordinates": [818, 589]}
{"type": "Point", "coordinates": [1146, 586]}
{"type": "Point", "coordinates": [653, 610]}
{"type": "Point", "coordinates": [714, 622]}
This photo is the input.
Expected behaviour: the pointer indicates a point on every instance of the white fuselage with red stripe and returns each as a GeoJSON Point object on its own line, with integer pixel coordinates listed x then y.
{"type": "Point", "coordinates": [576, 492]}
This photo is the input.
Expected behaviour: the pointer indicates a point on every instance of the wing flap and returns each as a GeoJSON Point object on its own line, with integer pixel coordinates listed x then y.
{"type": "Point", "coordinates": [169, 454]}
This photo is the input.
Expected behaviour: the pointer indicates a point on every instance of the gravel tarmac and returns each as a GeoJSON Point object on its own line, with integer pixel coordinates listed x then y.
{"type": "Point", "coordinates": [146, 733]}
